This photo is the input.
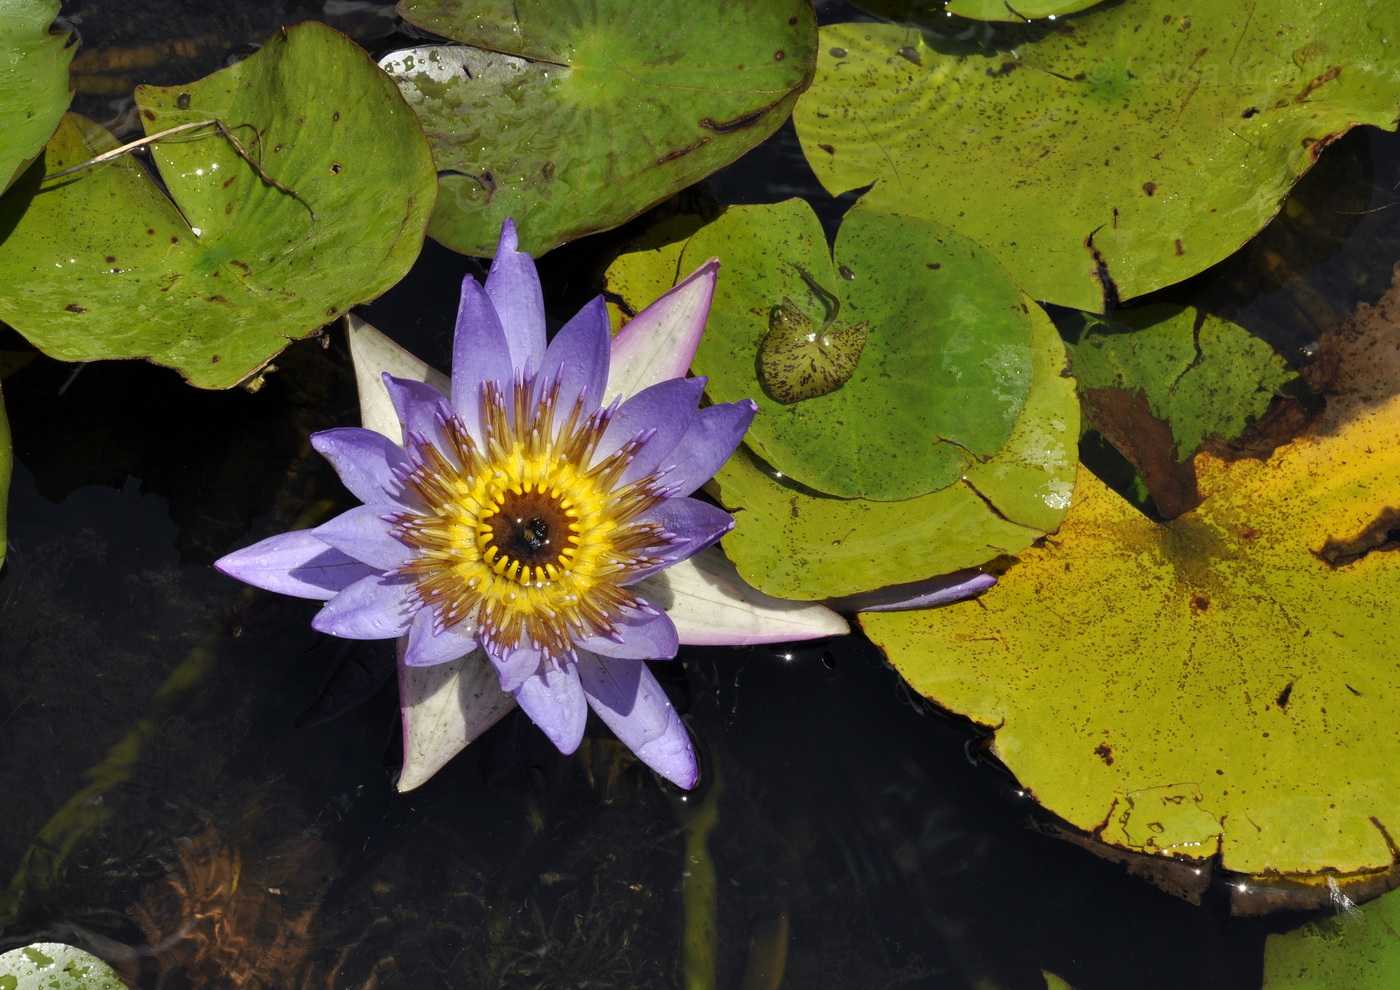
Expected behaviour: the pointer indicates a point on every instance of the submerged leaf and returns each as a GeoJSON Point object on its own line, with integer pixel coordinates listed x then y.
{"type": "Point", "coordinates": [55, 966]}
{"type": "Point", "coordinates": [797, 360]}
{"type": "Point", "coordinates": [1355, 949]}
{"type": "Point", "coordinates": [310, 194]}
{"type": "Point", "coordinates": [1132, 147]}
{"type": "Point", "coordinates": [572, 116]}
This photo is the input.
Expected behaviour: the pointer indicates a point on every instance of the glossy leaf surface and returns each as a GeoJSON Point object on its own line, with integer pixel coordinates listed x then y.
{"type": "Point", "coordinates": [33, 81]}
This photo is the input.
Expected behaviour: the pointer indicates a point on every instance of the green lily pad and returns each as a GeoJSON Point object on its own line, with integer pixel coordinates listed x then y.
{"type": "Point", "coordinates": [33, 81]}
{"type": "Point", "coordinates": [1025, 10]}
{"type": "Point", "coordinates": [1222, 683]}
{"type": "Point", "coordinates": [55, 966]}
{"type": "Point", "coordinates": [1203, 375]}
{"type": "Point", "coordinates": [795, 543]}
{"type": "Point", "coordinates": [1135, 145]}
{"type": "Point", "coordinates": [1356, 949]}
{"type": "Point", "coordinates": [102, 264]}
{"type": "Point", "coordinates": [572, 116]}
{"type": "Point", "coordinates": [928, 364]}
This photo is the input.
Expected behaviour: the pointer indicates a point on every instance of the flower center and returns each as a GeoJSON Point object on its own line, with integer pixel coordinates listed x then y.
{"type": "Point", "coordinates": [521, 533]}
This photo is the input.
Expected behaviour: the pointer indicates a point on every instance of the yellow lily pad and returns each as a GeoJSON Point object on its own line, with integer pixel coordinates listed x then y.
{"type": "Point", "coordinates": [1223, 682]}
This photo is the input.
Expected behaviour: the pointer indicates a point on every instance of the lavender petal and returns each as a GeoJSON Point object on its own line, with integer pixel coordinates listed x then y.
{"type": "Point", "coordinates": [513, 286]}
{"type": "Point", "coordinates": [666, 409]}
{"type": "Point", "coordinates": [577, 359]}
{"type": "Point", "coordinates": [365, 461]}
{"type": "Point", "coordinates": [694, 524]}
{"type": "Point", "coordinates": [644, 635]}
{"type": "Point", "coordinates": [295, 563]}
{"type": "Point", "coordinates": [479, 354]}
{"type": "Point", "coordinates": [632, 704]}
{"type": "Point", "coordinates": [713, 435]}
{"type": "Point", "coordinates": [377, 607]}
{"type": "Point", "coordinates": [427, 645]}
{"type": "Point", "coordinates": [363, 534]}
{"type": "Point", "coordinates": [555, 702]}
{"type": "Point", "coordinates": [421, 410]}
{"type": "Point", "coordinates": [514, 666]}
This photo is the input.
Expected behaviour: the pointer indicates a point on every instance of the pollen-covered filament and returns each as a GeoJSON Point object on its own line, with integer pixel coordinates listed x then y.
{"type": "Point", "coordinates": [521, 535]}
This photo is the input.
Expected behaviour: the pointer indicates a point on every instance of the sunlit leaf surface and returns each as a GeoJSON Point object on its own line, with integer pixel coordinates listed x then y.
{"type": "Point", "coordinates": [33, 81]}
{"type": "Point", "coordinates": [55, 966]}
{"type": "Point", "coordinates": [572, 116]}
{"type": "Point", "coordinates": [1134, 145]}
{"type": "Point", "coordinates": [1002, 10]}
{"type": "Point", "coordinates": [102, 264]}
{"type": "Point", "coordinates": [1224, 682]}
{"type": "Point", "coordinates": [792, 542]}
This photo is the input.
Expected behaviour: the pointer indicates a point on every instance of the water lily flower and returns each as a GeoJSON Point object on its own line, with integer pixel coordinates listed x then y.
{"type": "Point", "coordinates": [530, 538]}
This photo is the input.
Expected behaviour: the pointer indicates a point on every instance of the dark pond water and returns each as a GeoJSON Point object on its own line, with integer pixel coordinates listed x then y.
{"type": "Point", "coordinates": [163, 808]}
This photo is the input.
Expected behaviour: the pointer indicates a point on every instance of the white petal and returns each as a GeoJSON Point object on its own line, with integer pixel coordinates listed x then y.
{"type": "Point", "coordinates": [712, 605]}
{"type": "Point", "coordinates": [445, 707]}
{"type": "Point", "coordinates": [373, 354]}
{"type": "Point", "coordinates": [660, 341]}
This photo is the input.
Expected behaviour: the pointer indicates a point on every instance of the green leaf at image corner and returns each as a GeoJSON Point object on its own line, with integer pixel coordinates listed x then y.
{"type": "Point", "coordinates": [102, 264]}
{"type": "Point", "coordinates": [946, 364]}
{"type": "Point", "coordinates": [794, 543]}
{"type": "Point", "coordinates": [572, 116]}
{"type": "Point", "coordinates": [55, 966]}
{"type": "Point", "coordinates": [33, 81]}
{"type": "Point", "coordinates": [1140, 140]}
{"type": "Point", "coordinates": [1203, 375]}
{"type": "Point", "coordinates": [1355, 950]}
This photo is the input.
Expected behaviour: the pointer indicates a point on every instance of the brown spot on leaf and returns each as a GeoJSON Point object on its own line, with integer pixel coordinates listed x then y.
{"type": "Point", "coordinates": [829, 149]}
{"type": "Point", "coordinates": [1200, 604]}
{"type": "Point", "coordinates": [1104, 752]}
{"type": "Point", "coordinates": [1284, 695]}
{"type": "Point", "coordinates": [1381, 534]}
{"type": "Point", "coordinates": [1179, 249]}
{"type": "Point", "coordinates": [111, 258]}
{"type": "Point", "coordinates": [243, 265]}
{"type": "Point", "coordinates": [1150, 188]}
{"type": "Point", "coordinates": [75, 308]}
{"type": "Point", "coordinates": [779, 55]}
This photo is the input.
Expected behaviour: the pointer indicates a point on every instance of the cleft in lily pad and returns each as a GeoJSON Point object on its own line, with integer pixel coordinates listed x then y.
{"type": "Point", "coordinates": [919, 357]}
{"type": "Point", "coordinates": [299, 185]}
{"type": "Point", "coordinates": [572, 116]}
{"type": "Point", "coordinates": [1220, 684]}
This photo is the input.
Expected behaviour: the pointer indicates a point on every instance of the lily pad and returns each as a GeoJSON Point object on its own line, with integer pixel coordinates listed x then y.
{"type": "Point", "coordinates": [793, 542]}
{"type": "Point", "coordinates": [1024, 10]}
{"type": "Point", "coordinates": [1221, 683]}
{"type": "Point", "coordinates": [1203, 375]}
{"type": "Point", "coordinates": [1125, 151]}
{"type": "Point", "coordinates": [102, 264]}
{"type": "Point", "coordinates": [33, 81]}
{"type": "Point", "coordinates": [1356, 949]}
{"type": "Point", "coordinates": [571, 116]}
{"type": "Point", "coordinates": [55, 966]}
{"type": "Point", "coordinates": [934, 382]}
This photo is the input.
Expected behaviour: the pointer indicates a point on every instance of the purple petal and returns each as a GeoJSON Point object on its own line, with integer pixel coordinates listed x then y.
{"type": "Point", "coordinates": [365, 461]}
{"type": "Point", "coordinates": [555, 702]}
{"type": "Point", "coordinates": [514, 666]}
{"type": "Point", "coordinates": [513, 286]}
{"type": "Point", "coordinates": [694, 524]}
{"type": "Point", "coordinates": [666, 408]}
{"type": "Point", "coordinates": [941, 590]}
{"type": "Point", "coordinates": [712, 437]}
{"type": "Point", "coordinates": [479, 354]}
{"type": "Point", "coordinates": [577, 358]}
{"type": "Point", "coordinates": [427, 645]}
{"type": "Point", "coordinates": [363, 533]}
{"type": "Point", "coordinates": [376, 607]}
{"type": "Point", "coordinates": [295, 563]}
{"type": "Point", "coordinates": [631, 703]}
{"type": "Point", "coordinates": [660, 341]}
{"type": "Point", "coordinates": [645, 635]}
{"type": "Point", "coordinates": [421, 409]}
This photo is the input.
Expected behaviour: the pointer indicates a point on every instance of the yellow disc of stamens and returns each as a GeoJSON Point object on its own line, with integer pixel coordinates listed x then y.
{"type": "Point", "coordinates": [525, 534]}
